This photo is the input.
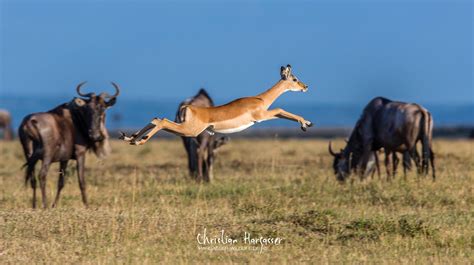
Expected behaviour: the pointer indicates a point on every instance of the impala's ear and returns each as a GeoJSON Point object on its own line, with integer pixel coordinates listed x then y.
{"type": "Point", "coordinates": [285, 72]}
{"type": "Point", "coordinates": [79, 102]}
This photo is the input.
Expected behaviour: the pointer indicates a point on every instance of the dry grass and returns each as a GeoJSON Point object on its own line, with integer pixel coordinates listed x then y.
{"type": "Point", "coordinates": [144, 209]}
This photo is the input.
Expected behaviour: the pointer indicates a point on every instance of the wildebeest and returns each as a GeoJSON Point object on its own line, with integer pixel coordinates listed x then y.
{"type": "Point", "coordinates": [6, 124]}
{"type": "Point", "coordinates": [394, 126]}
{"type": "Point", "coordinates": [201, 150]}
{"type": "Point", "coordinates": [64, 133]}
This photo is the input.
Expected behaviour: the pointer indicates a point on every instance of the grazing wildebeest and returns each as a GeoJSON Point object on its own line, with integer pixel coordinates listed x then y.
{"type": "Point", "coordinates": [201, 150]}
{"type": "Point", "coordinates": [6, 125]}
{"type": "Point", "coordinates": [372, 164]}
{"type": "Point", "coordinates": [394, 126]}
{"type": "Point", "coordinates": [64, 133]}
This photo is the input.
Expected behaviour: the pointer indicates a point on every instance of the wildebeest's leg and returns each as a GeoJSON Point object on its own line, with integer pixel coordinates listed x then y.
{"type": "Point", "coordinates": [8, 133]}
{"type": "Point", "coordinates": [30, 174]}
{"type": "Point", "coordinates": [80, 176]}
{"type": "Point", "coordinates": [406, 163]}
{"type": "Point", "coordinates": [416, 158]}
{"type": "Point", "coordinates": [201, 160]}
{"type": "Point", "coordinates": [42, 178]}
{"type": "Point", "coordinates": [200, 163]}
{"type": "Point", "coordinates": [377, 165]}
{"type": "Point", "coordinates": [31, 161]}
{"type": "Point", "coordinates": [395, 162]}
{"type": "Point", "coordinates": [209, 165]}
{"type": "Point", "coordinates": [190, 147]}
{"type": "Point", "coordinates": [387, 163]}
{"type": "Point", "coordinates": [433, 171]}
{"type": "Point", "coordinates": [62, 173]}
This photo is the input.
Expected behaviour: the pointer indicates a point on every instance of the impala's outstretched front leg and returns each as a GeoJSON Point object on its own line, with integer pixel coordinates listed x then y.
{"type": "Point", "coordinates": [283, 114]}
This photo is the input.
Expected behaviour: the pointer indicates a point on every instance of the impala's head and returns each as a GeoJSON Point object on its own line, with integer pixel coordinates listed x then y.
{"type": "Point", "coordinates": [294, 84]}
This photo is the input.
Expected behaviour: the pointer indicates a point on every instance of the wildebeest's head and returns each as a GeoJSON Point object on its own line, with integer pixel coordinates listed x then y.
{"type": "Point", "coordinates": [341, 164]}
{"type": "Point", "coordinates": [294, 83]}
{"type": "Point", "coordinates": [217, 143]}
{"type": "Point", "coordinates": [89, 111]}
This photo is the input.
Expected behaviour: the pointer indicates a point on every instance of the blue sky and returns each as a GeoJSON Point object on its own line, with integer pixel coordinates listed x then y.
{"type": "Point", "coordinates": [346, 51]}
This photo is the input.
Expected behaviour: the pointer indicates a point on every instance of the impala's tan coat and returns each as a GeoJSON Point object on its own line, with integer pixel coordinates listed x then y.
{"type": "Point", "coordinates": [231, 117]}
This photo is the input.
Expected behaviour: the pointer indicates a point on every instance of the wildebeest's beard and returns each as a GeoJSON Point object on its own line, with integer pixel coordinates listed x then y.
{"type": "Point", "coordinates": [89, 120]}
{"type": "Point", "coordinates": [95, 123]}
{"type": "Point", "coordinates": [102, 148]}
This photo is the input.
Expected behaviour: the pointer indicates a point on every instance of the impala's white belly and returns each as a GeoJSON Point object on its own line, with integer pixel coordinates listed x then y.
{"type": "Point", "coordinates": [236, 129]}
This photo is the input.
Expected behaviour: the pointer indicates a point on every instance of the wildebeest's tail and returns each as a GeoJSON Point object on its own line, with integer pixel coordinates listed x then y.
{"type": "Point", "coordinates": [425, 140]}
{"type": "Point", "coordinates": [28, 134]}
{"type": "Point", "coordinates": [430, 139]}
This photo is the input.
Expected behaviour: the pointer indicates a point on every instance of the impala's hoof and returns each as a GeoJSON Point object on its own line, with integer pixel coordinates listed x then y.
{"type": "Point", "coordinates": [305, 125]}
{"type": "Point", "coordinates": [122, 135]}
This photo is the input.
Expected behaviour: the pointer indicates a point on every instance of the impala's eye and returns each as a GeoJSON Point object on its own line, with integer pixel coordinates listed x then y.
{"type": "Point", "coordinates": [294, 79]}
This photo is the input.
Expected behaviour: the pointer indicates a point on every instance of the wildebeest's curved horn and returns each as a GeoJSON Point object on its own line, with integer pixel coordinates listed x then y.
{"type": "Point", "coordinates": [117, 92]}
{"type": "Point", "coordinates": [78, 89]}
{"type": "Point", "coordinates": [330, 149]}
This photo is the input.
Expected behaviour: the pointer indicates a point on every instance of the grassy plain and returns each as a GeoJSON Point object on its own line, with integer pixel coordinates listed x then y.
{"type": "Point", "coordinates": [144, 209]}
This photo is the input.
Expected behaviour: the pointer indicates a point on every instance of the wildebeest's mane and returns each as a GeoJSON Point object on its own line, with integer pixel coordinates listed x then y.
{"type": "Point", "coordinates": [203, 92]}
{"type": "Point", "coordinates": [354, 147]}
{"type": "Point", "coordinates": [100, 148]}
{"type": "Point", "coordinates": [79, 122]}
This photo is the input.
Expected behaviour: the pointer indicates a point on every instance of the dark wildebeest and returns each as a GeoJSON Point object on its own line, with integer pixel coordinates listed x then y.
{"type": "Point", "coordinates": [394, 126]}
{"type": "Point", "coordinates": [64, 133]}
{"type": "Point", "coordinates": [201, 150]}
{"type": "Point", "coordinates": [6, 125]}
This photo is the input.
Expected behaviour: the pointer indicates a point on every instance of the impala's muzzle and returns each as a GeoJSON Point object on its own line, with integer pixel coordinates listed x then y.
{"type": "Point", "coordinates": [303, 85]}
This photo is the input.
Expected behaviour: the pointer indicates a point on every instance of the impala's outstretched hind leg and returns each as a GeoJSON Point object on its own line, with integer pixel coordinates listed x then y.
{"type": "Point", "coordinates": [150, 129]}
{"type": "Point", "coordinates": [182, 129]}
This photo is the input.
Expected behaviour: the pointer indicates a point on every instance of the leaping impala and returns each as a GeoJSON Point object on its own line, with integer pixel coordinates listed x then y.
{"type": "Point", "coordinates": [232, 117]}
